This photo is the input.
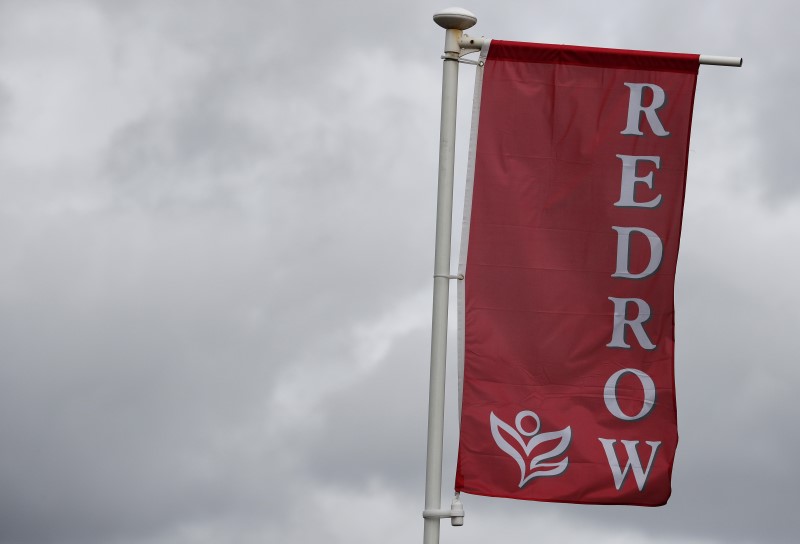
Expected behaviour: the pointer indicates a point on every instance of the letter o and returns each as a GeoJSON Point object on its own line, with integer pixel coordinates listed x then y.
{"type": "Point", "coordinates": [610, 394]}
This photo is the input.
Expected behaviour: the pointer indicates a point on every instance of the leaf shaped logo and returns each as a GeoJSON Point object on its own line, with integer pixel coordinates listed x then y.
{"type": "Point", "coordinates": [511, 441]}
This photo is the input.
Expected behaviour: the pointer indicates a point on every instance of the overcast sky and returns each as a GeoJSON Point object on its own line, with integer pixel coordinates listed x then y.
{"type": "Point", "coordinates": [216, 249]}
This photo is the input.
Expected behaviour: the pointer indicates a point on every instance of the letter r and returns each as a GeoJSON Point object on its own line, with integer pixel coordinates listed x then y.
{"type": "Point", "coordinates": [620, 322]}
{"type": "Point", "coordinates": [635, 109]}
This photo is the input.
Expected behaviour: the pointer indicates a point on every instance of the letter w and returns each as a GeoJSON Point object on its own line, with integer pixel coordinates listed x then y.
{"type": "Point", "coordinates": [633, 463]}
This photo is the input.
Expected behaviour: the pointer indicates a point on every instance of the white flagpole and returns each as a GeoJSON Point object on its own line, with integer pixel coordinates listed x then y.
{"type": "Point", "coordinates": [454, 21]}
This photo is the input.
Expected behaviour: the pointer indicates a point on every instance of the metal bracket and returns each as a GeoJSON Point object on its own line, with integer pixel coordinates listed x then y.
{"type": "Point", "coordinates": [465, 61]}
{"type": "Point", "coordinates": [470, 44]}
{"type": "Point", "coordinates": [449, 276]}
{"type": "Point", "coordinates": [456, 513]}
{"type": "Point", "coordinates": [436, 514]}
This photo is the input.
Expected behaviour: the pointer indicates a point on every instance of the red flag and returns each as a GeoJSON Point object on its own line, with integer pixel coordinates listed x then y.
{"type": "Point", "coordinates": [572, 226]}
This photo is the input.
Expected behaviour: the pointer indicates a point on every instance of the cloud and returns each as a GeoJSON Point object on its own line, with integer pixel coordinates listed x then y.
{"type": "Point", "coordinates": [217, 239]}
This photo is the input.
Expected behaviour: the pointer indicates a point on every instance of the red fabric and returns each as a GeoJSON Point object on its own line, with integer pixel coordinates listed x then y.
{"type": "Point", "coordinates": [541, 254]}
{"type": "Point", "coordinates": [593, 56]}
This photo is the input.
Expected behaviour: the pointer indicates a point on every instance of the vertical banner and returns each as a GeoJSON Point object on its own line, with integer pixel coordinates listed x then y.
{"type": "Point", "coordinates": [572, 227]}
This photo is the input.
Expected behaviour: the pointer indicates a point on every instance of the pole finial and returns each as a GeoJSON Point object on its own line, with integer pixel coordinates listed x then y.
{"type": "Point", "coordinates": [455, 18]}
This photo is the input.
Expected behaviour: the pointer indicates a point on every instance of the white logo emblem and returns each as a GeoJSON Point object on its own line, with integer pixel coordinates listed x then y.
{"type": "Point", "coordinates": [521, 451]}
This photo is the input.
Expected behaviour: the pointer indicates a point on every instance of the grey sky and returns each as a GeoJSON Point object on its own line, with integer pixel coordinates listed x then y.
{"type": "Point", "coordinates": [216, 230]}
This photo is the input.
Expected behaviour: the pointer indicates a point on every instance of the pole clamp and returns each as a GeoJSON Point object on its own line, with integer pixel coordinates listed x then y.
{"type": "Point", "coordinates": [464, 61]}
{"type": "Point", "coordinates": [450, 276]}
{"type": "Point", "coordinates": [456, 513]}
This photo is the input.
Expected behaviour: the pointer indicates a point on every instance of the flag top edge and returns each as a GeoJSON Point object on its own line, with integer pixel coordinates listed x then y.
{"type": "Point", "coordinates": [593, 56]}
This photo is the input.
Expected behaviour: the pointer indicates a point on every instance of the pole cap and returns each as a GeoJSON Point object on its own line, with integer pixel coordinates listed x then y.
{"type": "Point", "coordinates": [455, 18]}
